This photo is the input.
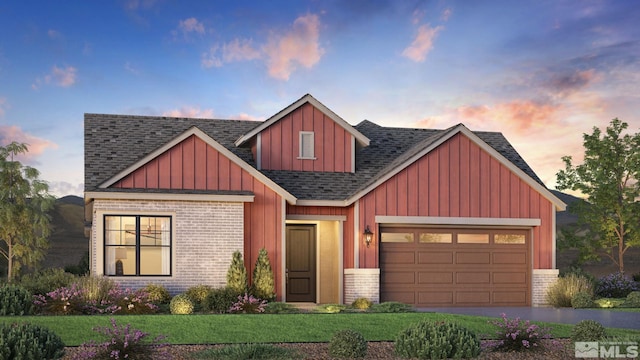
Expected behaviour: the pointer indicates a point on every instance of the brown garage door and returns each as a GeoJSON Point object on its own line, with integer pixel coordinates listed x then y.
{"type": "Point", "coordinates": [455, 267]}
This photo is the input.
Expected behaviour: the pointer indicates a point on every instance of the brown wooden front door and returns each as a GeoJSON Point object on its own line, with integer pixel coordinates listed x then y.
{"type": "Point", "coordinates": [301, 263]}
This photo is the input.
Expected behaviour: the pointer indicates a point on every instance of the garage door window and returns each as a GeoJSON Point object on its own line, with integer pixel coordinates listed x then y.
{"type": "Point", "coordinates": [439, 238]}
{"type": "Point", "coordinates": [396, 237]}
{"type": "Point", "coordinates": [473, 238]}
{"type": "Point", "coordinates": [509, 239]}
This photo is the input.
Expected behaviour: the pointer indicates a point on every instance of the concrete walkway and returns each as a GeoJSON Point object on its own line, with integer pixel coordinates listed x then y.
{"type": "Point", "coordinates": [614, 319]}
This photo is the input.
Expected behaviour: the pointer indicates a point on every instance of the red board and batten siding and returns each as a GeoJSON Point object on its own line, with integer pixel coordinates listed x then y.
{"type": "Point", "coordinates": [280, 143]}
{"type": "Point", "coordinates": [194, 165]}
{"type": "Point", "coordinates": [458, 179]}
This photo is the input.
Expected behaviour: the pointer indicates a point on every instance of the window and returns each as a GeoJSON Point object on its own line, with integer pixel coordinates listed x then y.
{"type": "Point", "coordinates": [137, 245]}
{"type": "Point", "coordinates": [396, 237]}
{"type": "Point", "coordinates": [443, 238]}
{"type": "Point", "coordinates": [473, 238]}
{"type": "Point", "coordinates": [306, 145]}
{"type": "Point", "coordinates": [509, 239]}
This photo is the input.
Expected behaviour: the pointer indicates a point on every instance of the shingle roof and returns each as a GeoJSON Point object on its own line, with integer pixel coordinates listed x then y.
{"type": "Point", "coordinates": [114, 142]}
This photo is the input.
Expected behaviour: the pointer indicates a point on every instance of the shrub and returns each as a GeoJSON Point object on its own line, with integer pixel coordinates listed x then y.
{"type": "Point", "coordinates": [198, 293]}
{"type": "Point", "coordinates": [97, 288]}
{"type": "Point", "coordinates": [122, 342]}
{"type": "Point", "coordinates": [280, 308]}
{"type": "Point", "coordinates": [263, 283]}
{"type": "Point", "coordinates": [632, 300]}
{"type": "Point", "coordinates": [330, 308]}
{"type": "Point", "coordinates": [391, 307]}
{"type": "Point", "coordinates": [587, 330]}
{"type": "Point", "coordinates": [28, 341]}
{"type": "Point", "coordinates": [15, 300]}
{"type": "Point", "coordinates": [564, 288]}
{"type": "Point", "coordinates": [237, 274]}
{"type": "Point", "coordinates": [220, 300]}
{"type": "Point", "coordinates": [437, 340]}
{"type": "Point", "coordinates": [361, 303]}
{"type": "Point", "coordinates": [615, 285]}
{"type": "Point", "coordinates": [518, 335]}
{"type": "Point", "coordinates": [576, 270]}
{"type": "Point", "coordinates": [248, 304]}
{"type": "Point", "coordinates": [608, 303]}
{"type": "Point", "coordinates": [247, 351]}
{"type": "Point", "coordinates": [181, 304]}
{"type": "Point", "coordinates": [47, 280]}
{"type": "Point", "coordinates": [636, 277]}
{"type": "Point", "coordinates": [157, 294]}
{"type": "Point", "coordinates": [348, 344]}
{"type": "Point", "coordinates": [582, 300]}
{"type": "Point", "coordinates": [81, 268]}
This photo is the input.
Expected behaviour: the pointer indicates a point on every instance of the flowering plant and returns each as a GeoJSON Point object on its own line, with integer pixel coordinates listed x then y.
{"type": "Point", "coordinates": [248, 304]}
{"type": "Point", "coordinates": [615, 285]}
{"type": "Point", "coordinates": [515, 334]}
{"type": "Point", "coordinates": [123, 343]}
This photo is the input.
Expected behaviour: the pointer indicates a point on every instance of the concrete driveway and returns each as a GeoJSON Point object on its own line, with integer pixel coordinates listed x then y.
{"type": "Point", "coordinates": [614, 319]}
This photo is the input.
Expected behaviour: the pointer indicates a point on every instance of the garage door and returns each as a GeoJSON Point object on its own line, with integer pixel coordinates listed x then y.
{"type": "Point", "coordinates": [455, 267]}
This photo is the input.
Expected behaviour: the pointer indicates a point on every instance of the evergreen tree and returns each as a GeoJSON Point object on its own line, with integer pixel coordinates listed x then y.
{"type": "Point", "coordinates": [237, 274]}
{"type": "Point", "coordinates": [263, 282]}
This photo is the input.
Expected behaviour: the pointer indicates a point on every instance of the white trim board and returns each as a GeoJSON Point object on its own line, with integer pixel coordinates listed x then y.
{"type": "Point", "coordinates": [470, 221]}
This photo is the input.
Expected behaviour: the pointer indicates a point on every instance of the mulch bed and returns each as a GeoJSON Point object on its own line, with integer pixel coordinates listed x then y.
{"type": "Point", "coordinates": [558, 349]}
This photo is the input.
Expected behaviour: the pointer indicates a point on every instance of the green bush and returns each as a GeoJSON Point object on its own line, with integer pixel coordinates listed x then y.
{"type": "Point", "coordinates": [391, 307]}
{"type": "Point", "coordinates": [437, 340]}
{"type": "Point", "coordinates": [348, 344]}
{"type": "Point", "coordinates": [15, 300]}
{"type": "Point", "coordinates": [263, 283]}
{"type": "Point", "coordinates": [632, 300]}
{"type": "Point", "coordinates": [237, 274]}
{"type": "Point", "coordinates": [559, 294]}
{"type": "Point", "coordinates": [158, 294]}
{"type": "Point", "coordinates": [587, 330]}
{"type": "Point", "coordinates": [29, 342]}
{"type": "Point", "coordinates": [96, 288]}
{"type": "Point", "coordinates": [281, 308]}
{"type": "Point", "coordinates": [47, 280]}
{"type": "Point", "coordinates": [181, 304]}
{"type": "Point", "coordinates": [330, 308]}
{"type": "Point", "coordinates": [582, 300]}
{"type": "Point", "coordinates": [609, 303]}
{"type": "Point", "coordinates": [198, 293]}
{"type": "Point", "coordinates": [361, 303]}
{"type": "Point", "coordinates": [220, 300]}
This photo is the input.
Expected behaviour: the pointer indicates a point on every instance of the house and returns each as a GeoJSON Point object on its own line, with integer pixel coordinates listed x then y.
{"type": "Point", "coordinates": [427, 217]}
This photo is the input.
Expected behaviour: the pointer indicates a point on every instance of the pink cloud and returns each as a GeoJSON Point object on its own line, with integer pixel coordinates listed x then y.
{"type": "Point", "coordinates": [446, 14]}
{"type": "Point", "coordinates": [191, 25]}
{"type": "Point", "coordinates": [239, 50]}
{"type": "Point", "coordinates": [422, 44]}
{"type": "Point", "coordinates": [190, 112]}
{"type": "Point", "coordinates": [63, 77]}
{"type": "Point", "coordinates": [298, 46]}
{"type": "Point", "coordinates": [37, 146]}
{"type": "Point", "coordinates": [518, 115]}
{"type": "Point", "coordinates": [245, 116]}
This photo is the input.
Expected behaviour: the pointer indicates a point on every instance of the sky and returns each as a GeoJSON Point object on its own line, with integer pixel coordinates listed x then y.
{"type": "Point", "coordinates": [541, 72]}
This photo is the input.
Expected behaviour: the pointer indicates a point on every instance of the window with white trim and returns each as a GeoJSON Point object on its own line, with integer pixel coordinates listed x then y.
{"type": "Point", "coordinates": [137, 245]}
{"type": "Point", "coordinates": [307, 145]}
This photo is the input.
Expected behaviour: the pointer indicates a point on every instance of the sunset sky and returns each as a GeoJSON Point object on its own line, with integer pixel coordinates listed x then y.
{"type": "Point", "coordinates": [541, 72]}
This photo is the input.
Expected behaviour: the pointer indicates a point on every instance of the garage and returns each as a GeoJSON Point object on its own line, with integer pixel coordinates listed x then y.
{"type": "Point", "coordinates": [437, 267]}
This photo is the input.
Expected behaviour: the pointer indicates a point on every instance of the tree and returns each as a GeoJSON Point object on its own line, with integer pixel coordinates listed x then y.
{"type": "Point", "coordinates": [24, 205]}
{"type": "Point", "coordinates": [237, 274]}
{"type": "Point", "coordinates": [263, 282]}
{"type": "Point", "coordinates": [609, 177]}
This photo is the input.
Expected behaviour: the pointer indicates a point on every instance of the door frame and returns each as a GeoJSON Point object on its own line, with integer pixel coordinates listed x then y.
{"type": "Point", "coordinates": [316, 240]}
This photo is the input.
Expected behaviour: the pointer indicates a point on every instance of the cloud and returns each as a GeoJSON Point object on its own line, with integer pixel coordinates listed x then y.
{"type": "Point", "coordinates": [446, 14]}
{"type": "Point", "coordinates": [187, 27]}
{"type": "Point", "coordinates": [190, 112]}
{"type": "Point", "coordinates": [63, 188]}
{"type": "Point", "coordinates": [130, 68]}
{"type": "Point", "coordinates": [422, 44]}
{"type": "Point", "coordinates": [37, 146]}
{"type": "Point", "coordinates": [567, 84]}
{"type": "Point", "coordinates": [63, 77]}
{"type": "Point", "coordinates": [236, 50]}
{"type": "Point", "coordinates": [133, 5]}
{"type": "Point", "coordinates": [519, 115]}
{"type": "Point", "coordinates": [4, 105]}
{"type": "Point", "coordinates": [298, 46]}
{"type": "Point", "coordinates": [245, 116]}
{"type": "Point", "coordinates": [54, 34]}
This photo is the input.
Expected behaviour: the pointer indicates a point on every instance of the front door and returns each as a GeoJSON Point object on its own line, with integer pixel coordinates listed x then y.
{"type": "Point", "coordinates": [301, 263]}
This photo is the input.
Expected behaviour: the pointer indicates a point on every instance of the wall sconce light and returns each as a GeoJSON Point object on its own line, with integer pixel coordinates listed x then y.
{"type": "Point", "coordinates": [368, 236]}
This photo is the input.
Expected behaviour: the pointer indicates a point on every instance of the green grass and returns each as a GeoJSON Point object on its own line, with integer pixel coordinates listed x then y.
{"type": "Point", "coordinates": [267, 328]}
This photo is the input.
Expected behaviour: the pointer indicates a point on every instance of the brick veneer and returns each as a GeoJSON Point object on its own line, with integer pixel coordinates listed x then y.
{"type": "Point", "coordinates": [206, 233]}
{"type": "Point", "coordinates": [541, 279]}
{"type": "Point", "coordinates": [361, 283]}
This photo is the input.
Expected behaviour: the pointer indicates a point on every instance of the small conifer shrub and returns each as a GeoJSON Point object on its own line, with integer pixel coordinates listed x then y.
{"type": "Point", "coordinates": [237, 274]}
{"type": "Point", "coordinates": [15, 300]}
{"type": "Point", "coordinates": [263, 282]}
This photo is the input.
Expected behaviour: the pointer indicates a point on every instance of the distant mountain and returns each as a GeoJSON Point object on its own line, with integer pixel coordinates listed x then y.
{"type": "Point", "coordinates": [67, 244]}
{"type": "Point", "coordinates": [71, 199]}
{"type": "Point", "coordinates": [566, 217]}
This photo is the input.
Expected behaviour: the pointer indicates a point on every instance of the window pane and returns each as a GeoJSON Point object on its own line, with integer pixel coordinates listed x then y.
{"type": "Point", "coordinates": [127, 257]}
{"type": "Point", "coordinates": [473, 238]}
{"type": "Point", "coordinates": [306, 145]}
{"type": "Point", "coordinates": [509, 238]}
{"type": "Point", "coordinates": [435, 238]}
{"type": "Point", "coordinates": [397, 237]}
{"type": "Point", "coordinates": [154, 260]}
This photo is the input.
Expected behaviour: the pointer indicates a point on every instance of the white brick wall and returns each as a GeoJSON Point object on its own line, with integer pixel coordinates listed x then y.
{"type": "Point", "coordinates": [541, 279]}
{"type": "Point", "coordinates": [206, 233]}
{"type": "Point", "coordinates": [361, 283]}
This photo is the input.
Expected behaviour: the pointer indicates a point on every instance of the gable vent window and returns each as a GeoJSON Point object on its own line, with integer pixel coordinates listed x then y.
{"type": "Point", "coordinates": [306, 145]}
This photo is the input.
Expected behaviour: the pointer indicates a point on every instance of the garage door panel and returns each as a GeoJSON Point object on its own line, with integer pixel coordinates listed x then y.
{"type": "Point", "coordinates": [399, 257]}
{"type": "Point", "coordinates": [510, 297]}
{"type": "Point", "coordinates": [435, 297]}
{"type": "Point", "coordinates": [399, 277]}
{"type": "Point", "coordinates": [435, 277]}
{"type": "Point", "coordinates": [482, 277]}
{"type": "Point", "coordinates": [463, 257]}
{"type": "Point", "coordinates": [435, 257]}
{"type": "Point", "coordinates": [473, 297]}
{"type": "Point", "coordinates": [510, 277]}
{"type": "Point", "coordinates": [510, 257]}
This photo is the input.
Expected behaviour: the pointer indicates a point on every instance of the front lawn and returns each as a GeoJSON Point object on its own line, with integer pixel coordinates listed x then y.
{"type": "Point", "coordinates": [267, 328]}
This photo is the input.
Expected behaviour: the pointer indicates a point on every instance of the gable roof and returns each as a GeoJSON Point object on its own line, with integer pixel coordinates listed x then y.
{"type": "Point", "coordinates": [116, 144]}
{"type": "Point", "coordinates": [360, 138]}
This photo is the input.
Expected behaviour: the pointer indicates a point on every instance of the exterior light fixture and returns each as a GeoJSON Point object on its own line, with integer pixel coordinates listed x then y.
{"type": "Point", "coordinates": [368, 236]}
